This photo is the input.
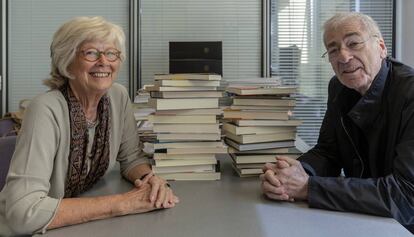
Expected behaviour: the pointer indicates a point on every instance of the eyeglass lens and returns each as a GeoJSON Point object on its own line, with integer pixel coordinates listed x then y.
{"type": "Point", "coordinates": [93, 55]}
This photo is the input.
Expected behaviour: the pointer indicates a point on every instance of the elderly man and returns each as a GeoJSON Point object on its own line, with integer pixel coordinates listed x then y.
{"type": "Point", "coordinates": [368, 131]}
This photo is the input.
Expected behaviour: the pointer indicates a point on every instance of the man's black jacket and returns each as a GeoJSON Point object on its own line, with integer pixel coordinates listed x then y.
{"type": "Point", "coordinates": [372, 139]}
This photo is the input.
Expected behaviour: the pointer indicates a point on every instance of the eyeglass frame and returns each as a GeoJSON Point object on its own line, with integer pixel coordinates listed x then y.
{"type": "Point", "coordinates": [349, 48]}
{"type": "Point", "coordinates": [100, 53]}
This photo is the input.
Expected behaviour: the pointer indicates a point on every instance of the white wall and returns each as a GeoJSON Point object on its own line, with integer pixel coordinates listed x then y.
{"type": "Point", "coordinates": [405, 32]}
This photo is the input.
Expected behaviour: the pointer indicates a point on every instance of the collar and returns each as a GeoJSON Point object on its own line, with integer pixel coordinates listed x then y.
{"type": "Point", "coordinates": [368, 107]}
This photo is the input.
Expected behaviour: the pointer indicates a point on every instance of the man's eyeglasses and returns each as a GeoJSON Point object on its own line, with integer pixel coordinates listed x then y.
{"type": "Point", "coordinates": [93, 55]}
{"type": "Point", "coordinates": [352, 44]}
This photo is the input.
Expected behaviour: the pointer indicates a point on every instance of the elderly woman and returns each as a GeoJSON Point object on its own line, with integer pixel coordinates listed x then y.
{"type": "Point", "coordinates": [73, 134]}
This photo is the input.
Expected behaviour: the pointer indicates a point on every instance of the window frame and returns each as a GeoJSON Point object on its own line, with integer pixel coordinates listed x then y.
{"type": "Point", "coordinates": [313, 21]}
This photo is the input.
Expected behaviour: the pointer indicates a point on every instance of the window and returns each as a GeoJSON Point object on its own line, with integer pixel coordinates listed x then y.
{"type": "Point", "coordinates": [31, 25]}
{"type": "Point", "coordinates": [236, 23]}
{"type": "Point", "coordinates": [297, 46]}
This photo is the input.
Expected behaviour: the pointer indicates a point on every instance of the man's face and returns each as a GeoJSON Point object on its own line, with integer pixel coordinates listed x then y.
{"type": "Point", "coordinates": [354, 54]}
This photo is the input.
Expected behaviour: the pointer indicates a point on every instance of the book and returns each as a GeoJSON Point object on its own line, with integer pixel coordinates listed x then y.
{"type": "Point", "coordinates": [186, 168]}
{"type": "Point", "coordinates": [191, 176]}
{"type": "Point", "coordinates": [144, 126]}
{"type": "Point", "coordinates": [257, 158]}
{"type": "Point", "coordinates": [231, 128]}
{"type": "Point", "coordinates": [166, 156]}
{"type": "Point", "coordinates": [250, 172]}
{"type": "Point", "coordinates": [260, 81]}
{"type": "Point", "coordinates": [186, 128]}
{"type": "Point", "coordinates": [181, 88]}
{"type": "Point", "coordinates": [185, 162]}
{"type": "Point", "coordinates": [249, 122]}
{"type": "Point", "coordinates": [143, 113]}
{"type": "Point", "coordinates": [182, 119]}
{"type": "Point", "coordinates": [186, 94]}
{"type": "Point", "coordinates": [188, 136]}
{"type": "Point", "coordinates": [247, 159]}
{"type": "Point", "coordinates": [255, 107]}
{"type": "Point", "coordinates": [188, 76]}
{"type": "Point", "coordinates": [260, 90]}
{"type": "Point", "coordinates": [249, 166]}
{"type": "Point", "coordinates": [240, 114]}
{"type": "Point", "coordinates": [190, 112]}
{"type": "Point", "coordinates": [196, 150]}
{"type": "Point", "coordinates": [168, 145]}
{"type": "Point", "coordinates": [264, 151]}
{"type": "Point", "coordinates": [166, 104]}
{"type": "Point", "coordinates": [192, 83]}
{"type": "Point", "coordinates": [256, 138]}
{"type": "Point", "coordinates": [265, 102]}
{"type": "Point", "coordinates": [259, 146]}
{"type": "Point", "coordinates": [141, 97]}
{"type": "Point", "coordinates": [264, 97]}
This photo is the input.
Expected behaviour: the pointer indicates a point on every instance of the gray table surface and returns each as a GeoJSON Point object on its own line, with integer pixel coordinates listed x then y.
{"type": "Point", "coordinates": [232, 206]}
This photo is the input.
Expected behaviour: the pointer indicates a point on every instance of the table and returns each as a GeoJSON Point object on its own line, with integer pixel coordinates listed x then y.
{"type": "Point", "coordinates": [232, 206]}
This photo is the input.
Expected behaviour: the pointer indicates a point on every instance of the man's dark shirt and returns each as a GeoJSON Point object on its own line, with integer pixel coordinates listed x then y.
{"type": "Point", "coordinates": [372, 139]}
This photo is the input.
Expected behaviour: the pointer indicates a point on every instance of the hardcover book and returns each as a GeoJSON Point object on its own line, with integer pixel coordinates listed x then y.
{"type": "Point", "coordinates": [188, 76]}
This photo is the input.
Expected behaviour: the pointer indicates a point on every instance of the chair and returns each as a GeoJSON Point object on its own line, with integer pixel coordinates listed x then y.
{"type": "Point", "coordinates": [7, 127]}
{"type": "Point", "coordinates": [7, 145]}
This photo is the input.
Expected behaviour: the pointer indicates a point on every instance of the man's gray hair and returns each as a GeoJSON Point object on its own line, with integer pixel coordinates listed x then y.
{"type": "Point", "coordinates": [70, 36]}
{"type": "Point", "coordinates": [340, 18]}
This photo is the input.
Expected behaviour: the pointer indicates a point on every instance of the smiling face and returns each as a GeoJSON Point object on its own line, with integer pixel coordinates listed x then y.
{"type": "Point", "coordinates": [355, 55]}
{"type": "Point", "coordinates": [93, 77]}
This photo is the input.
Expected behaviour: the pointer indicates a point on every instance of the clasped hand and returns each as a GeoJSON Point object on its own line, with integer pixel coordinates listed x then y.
{"type": "Point", "coordinates": [161, 194]}
{"type": "Point", "coordinates": [286, 180]}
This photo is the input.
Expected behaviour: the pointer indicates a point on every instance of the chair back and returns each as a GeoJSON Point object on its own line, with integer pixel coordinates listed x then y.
{"type": "Point", "coordinates": [7, 145]}
{"type": "Point", "coordinates": [7, 127]}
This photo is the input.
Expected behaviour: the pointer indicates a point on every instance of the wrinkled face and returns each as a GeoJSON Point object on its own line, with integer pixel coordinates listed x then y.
{"type": "Point", "coordinates": [95, 67]}
{"type": "Point", "coordinates": [354, 54]}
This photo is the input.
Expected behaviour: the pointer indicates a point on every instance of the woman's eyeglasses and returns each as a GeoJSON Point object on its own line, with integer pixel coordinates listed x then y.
{"type": "Point", "coordinates": [93, 55]}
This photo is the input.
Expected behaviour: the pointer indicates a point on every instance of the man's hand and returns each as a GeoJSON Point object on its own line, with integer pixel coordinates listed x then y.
{"type": "Point", "coordinates": [271, 186]}
{"type": "Point", "coordinates": [286, 180]}
{"type": "Point", "coordinates": [161, 193]}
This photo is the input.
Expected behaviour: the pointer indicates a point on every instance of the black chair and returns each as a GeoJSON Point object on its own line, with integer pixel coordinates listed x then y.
{"type": "Point", "coordinates": [8, 136]}
{"type": "Point", "coordinates": [7, 127]}
{"type": "Point", "coordinates": [7, 145]}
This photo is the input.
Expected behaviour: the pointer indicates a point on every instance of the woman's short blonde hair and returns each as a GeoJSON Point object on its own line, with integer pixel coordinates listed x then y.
{"type": "Point", "coordinates": [70, 36]}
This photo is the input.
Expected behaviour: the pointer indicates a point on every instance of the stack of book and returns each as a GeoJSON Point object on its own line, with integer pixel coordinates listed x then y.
{"type": "Point", "coordinates": [185, 122]}
{"type": "Point", "coordinates": [259, 125]}
{"type": "Point", "coordinates": [227, 100]}
{"type": "Point", "coordinates": [141, 111]}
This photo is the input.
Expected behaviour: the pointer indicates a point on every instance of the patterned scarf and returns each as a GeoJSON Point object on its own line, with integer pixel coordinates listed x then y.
{"type": "Point", "coordinates": [78, 179]}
